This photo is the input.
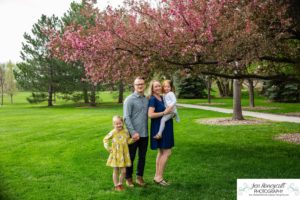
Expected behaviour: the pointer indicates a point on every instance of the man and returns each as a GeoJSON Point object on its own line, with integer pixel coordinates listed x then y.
{"type": "Point", "coordinates": [136, 120]}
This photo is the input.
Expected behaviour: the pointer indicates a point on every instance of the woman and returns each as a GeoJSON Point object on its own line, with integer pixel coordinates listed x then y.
{"type": "Point", "coordinates": [155, 111]}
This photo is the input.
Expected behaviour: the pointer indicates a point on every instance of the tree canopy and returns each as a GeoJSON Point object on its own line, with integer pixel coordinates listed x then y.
{"type": "Point", "coordinates": [237, 39]}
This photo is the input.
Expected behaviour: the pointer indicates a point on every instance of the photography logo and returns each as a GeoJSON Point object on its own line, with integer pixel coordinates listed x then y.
{"type": "Point", "coordinates": [268, 189]}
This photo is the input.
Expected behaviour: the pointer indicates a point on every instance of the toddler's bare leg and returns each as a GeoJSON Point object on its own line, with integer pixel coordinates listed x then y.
{"type": "Point", "coordinates": [162, 125]}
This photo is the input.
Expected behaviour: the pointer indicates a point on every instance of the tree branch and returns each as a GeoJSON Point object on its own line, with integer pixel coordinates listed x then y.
{"type": "Point", "coordinates": [253, 76]}
{"type": "Point", "coordinates": [282, 60]}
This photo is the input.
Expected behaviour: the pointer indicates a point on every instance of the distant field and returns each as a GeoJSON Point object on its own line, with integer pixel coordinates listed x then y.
{"type": "Point", "coordinates": [106, 96]}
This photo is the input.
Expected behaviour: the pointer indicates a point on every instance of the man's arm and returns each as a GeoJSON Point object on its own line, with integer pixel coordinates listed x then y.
{"type": "Point", "coordinates": [127, 112]}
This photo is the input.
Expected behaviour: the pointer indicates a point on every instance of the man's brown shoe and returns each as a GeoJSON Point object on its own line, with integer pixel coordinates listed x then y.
{"type": "Point", "coordinates": [129, 182]}
{"type": "Point", "coordinates": [140, 181]}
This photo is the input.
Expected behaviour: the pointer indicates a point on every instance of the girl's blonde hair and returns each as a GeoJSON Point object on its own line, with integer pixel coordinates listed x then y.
{"type": "Point", "coordinates": [171, 85]}
{"type": "Point", "coordinates": [117, 117]}
{"type": "Point", "coordinates": [151, 87]}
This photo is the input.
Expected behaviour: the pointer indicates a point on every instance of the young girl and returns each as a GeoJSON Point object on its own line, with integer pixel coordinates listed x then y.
{"type": "Point", "coordinates": [119, 157]}
{"type": "Point", "coordinates": [170, 100]}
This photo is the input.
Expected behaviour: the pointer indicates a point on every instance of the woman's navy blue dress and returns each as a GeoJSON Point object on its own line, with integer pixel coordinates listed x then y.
{"type": "Point", "coordinates": [167, 140]}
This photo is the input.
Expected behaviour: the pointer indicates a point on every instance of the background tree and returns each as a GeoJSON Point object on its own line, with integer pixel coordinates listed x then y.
{"type": "Point", "coordinates": [75, 17]}
{"type": "Point", "coordinates": [225, 86]}
{"type": "Point", "coordinates": [281, 91]}
{"type": "Point", "coordinates": [39, 71]}
{"type": "Point", "coordinates": [2, 79]}
{"type": "Point", "coordinates": [208, 87]}
{"type": "Point", "coordinates": [10, 82]}
{"type": "Point", "coordinates": [237, 105]}
{"type": "Point", "coordinates": [250, 85]}
{"type": "Point", "coordinates": [220, 38]}
{"type": "Point", "coordinates": [227, 35]}
{"type": "Point", "coordinates": [192, 87]}
{"type": "Point", "coordinates": [99, 48]}
{"type": "Point", "coordinates": [236, 34]}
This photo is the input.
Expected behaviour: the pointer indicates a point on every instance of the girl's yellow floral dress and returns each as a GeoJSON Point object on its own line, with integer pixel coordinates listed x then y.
{"type": "Point", "coordinates": [119, 155]}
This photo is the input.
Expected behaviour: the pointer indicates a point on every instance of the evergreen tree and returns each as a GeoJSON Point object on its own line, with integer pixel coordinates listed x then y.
{"type": "Point", "coordinates": [74, 16]}
{"type": "Point", "coordinates": [40, 72]}
{"type": "Point", "coordinates": [192, 87]}
{"type": "Point", "coordinates": [281, 91]}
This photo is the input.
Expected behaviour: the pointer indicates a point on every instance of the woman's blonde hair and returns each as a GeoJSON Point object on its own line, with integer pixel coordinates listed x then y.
{"type": "Point", "coordinates": [151, 87]}
{"type": "Point", "coordinates": [171, 85]}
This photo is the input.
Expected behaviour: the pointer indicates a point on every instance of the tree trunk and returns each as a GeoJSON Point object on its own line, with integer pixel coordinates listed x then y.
{"type": "Point", "coordinates": [2, 95]}
{"type": "Point", "coordinates": [251, 93]}
{"type": "Point", "coordinates": [11, 99]}
{"type": "Point", "coordinates": [54, 97]}
{"type": "Point", "coordinates": [231, 88]}
{"type": "Point", "coordinates": [50, 95]}
{"type": "Point", "coordinates": [226, 88]}
{"type": "Point", "coordinates": [209, 89]}
{"type": "Point", "coordinates": [221, 92]}
{"type": "Point", "coordinates": [93, 96]}
{"type": "Point", "coordinates": [237, 106]}
{"type": "Point", "coordinates": [85, 95]}
{"type": "Point", "coordinates": [50, 89]}
{"type": "Point", "coordinates": [121, 91]}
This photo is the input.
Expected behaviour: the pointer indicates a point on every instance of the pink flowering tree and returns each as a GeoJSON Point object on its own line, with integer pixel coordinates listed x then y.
{"type": "Point", "coordinates": [180, 33]}
{"type": "Point", "coordinates": [99, 48]}
{"type": "Point", "coordinates": [226, 38]}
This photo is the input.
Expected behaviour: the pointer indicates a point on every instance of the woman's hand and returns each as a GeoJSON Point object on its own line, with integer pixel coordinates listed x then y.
{"type": "Point", "coordinates": [168, 110]}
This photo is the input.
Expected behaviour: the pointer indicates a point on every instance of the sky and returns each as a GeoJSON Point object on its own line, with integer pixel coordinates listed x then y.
{"type": "Point", "coordinates": [18, 17]}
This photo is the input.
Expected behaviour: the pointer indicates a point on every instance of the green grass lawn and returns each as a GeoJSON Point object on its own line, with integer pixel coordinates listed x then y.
{"type": "Point", "coordinates": [57, 153]}
{"type": "Point", "coordinates": [260, 101]}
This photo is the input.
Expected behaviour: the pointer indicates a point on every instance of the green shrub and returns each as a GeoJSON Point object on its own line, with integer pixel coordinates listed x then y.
{"type": "Point", "coordinates": [37, 97]}
{"type": "Point", "coordinates": [192, 87]}
{"type": "Point", "coordinates": [281, 91]}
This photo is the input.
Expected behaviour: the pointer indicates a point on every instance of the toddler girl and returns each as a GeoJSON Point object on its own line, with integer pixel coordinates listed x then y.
{"type": "Point", "coordinates": [170, 101]}
{"type": "Point", "coordinates": [119, 157]}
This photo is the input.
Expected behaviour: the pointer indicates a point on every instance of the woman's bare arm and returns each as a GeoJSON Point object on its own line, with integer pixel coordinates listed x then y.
{"type": "Point", "coordinates": [153, 114]}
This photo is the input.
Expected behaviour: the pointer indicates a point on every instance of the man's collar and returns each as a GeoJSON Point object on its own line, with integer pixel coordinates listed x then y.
{"type": "Point", "coordinates": [137, 94]}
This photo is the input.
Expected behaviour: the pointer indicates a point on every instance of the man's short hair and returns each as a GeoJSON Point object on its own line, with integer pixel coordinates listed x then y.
{"type": "Point", "coordinates": [139, 78]}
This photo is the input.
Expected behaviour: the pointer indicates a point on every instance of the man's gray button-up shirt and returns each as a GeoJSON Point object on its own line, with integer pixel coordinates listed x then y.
{"type": "Point", "coordinates": [135, 113]}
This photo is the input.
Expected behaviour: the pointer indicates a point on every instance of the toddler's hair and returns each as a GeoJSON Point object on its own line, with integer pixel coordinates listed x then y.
{"type": "Point", "coordinates": [117, 117]}
{"type": "Point", "coordinates": [171, 85]}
